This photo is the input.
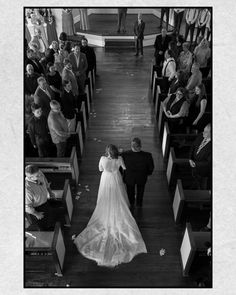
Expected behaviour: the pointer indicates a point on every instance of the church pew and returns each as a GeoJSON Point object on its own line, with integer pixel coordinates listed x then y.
{"type": "Point", "coordinates": [45, 251]}
{"type": "Point", "coordinates": [184, 198]}
{"type": "Point", "coordinates": [88, 93]}
{"type": "Point", "coordinates": [192, 244]}
{"type": "Point", "coordinates": [66, 198]}
{"type": "Point", "coordinates": [76, 139]}
{"type": "Point", "coordinates": [169, 139]}
{"type": "Point", "coordinates": [68, 166]}
{"type": "Point", "coordinates": [177, 168]}
{"type": "Point", "coordinates": [81, 117]}
{"type": "Point", "coordinates": [157, 102]}
{"type": "Point", "coordinates": [152, 70]}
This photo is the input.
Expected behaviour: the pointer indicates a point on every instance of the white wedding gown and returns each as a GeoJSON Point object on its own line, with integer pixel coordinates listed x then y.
{"type": "Point", "coordinates": [112, 235]}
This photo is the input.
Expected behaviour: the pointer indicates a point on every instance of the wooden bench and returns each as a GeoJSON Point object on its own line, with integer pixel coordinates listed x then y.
{"type": "Point", "coordinates": [81, 117]}
{"type": "Point", "coordinates": [192, 243]}
{"type": "Point", "coordinates": [169, 139]}
{"type": "Point", "coordinates": [45, 251]}
{"type": "Point", "coordinates": [76, 139]}
{"type": "Point", "coordinates": [66, 198]}
{"type": "Point", "coordinates": [183, 198]}
{"type": "Point", "coordinates": [66, 167]}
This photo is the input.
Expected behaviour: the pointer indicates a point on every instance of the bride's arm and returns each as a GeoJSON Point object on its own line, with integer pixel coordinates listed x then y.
{"type": "Point", "coordinates": [100, 167]}
{"type": "Point", "coordinates": [122, 164]}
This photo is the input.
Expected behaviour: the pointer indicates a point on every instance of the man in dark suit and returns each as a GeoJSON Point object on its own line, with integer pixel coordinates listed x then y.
{"type": "Point", "coordinates": [43, 95]}
{"type": "Point", "coordinates": [79, 64]}
{"type": "Point", "coordinates": [139, 27]}
{"type": "Point", "coordinates": [161, 45]}
{"type": "Point", "coordinates": [31, 59]}
{"type": "Point", "coordinates": [200, 157]}
{"type": "Point", "coordinates": [90, 55]}
{"type": "Point", "coordinates": [139, 165]}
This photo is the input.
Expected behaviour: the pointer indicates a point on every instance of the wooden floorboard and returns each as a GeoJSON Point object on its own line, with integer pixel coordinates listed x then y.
{"type": "Point", "coordinates": [121, 110]}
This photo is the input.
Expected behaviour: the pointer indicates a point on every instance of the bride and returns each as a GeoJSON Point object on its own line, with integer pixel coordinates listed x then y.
{"type": "Point", "coordinates": [112, 235]}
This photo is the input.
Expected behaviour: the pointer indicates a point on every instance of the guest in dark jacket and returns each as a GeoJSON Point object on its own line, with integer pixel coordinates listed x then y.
{"type": "Point", "coordinates": [39, 132]}
{"type": "Point", "coordinates": [54, 81]}
{"type": "Point", "coordinates": [68, 105]}
{"type": "Point", "coordinates": [161, 45]}
{"type": "Point", "coordinates": [90, 55]}
{"type": "Point", "coordinates": [139, 27]}
{"type": "Point", "coordinates": [31, 77]}
{"type": "Point", "coordinates": [139, 165]}
{"type": "Point", "coordinates": [200, 157]}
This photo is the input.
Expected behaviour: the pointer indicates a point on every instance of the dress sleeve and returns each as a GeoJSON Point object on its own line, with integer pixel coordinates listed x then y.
{"type": "Point", "coordinates": [122, 164]}
{"type": "Point", "coordinates": [100, 166]}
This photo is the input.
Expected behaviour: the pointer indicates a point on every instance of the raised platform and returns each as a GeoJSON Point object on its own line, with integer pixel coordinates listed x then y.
{"type": "Point", "coordinates": [103, 30]}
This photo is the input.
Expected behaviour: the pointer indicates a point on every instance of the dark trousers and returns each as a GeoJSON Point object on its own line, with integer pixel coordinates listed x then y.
{"type": "Point", "coordinates": [202, 30]}
{"type": "Point", "coordinates": [139, 194]}
{"type": "Point", "coordinates": [43, 148]}
{"type": "Point", "coordinates": [53, 212]}
{"type": "Point", "coordinates": [61, 149]}
{"type": "Point", "coordinates": [165, 11]}
{"type": "Point", "coordinates": [177, 21]}
{"type": "Point", "coordinates": [191, 29]}
{"type": "Point", "coordinates": [139, 46]}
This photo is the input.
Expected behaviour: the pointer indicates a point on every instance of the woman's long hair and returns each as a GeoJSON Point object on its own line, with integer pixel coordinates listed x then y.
{"type": "Point", "coordinates": [202, 93]}
{"type": "Point", "coordinates": [111, 151]}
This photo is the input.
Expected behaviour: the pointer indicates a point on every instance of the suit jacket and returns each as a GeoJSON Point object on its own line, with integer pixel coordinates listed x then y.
{"type": "Point", "coordinates": [41, 98]}
{"type": "Point", "coordinates": [90, 55]}
{"type": "Point", "coordinates": [203, 158]}
{"type": "Point", "coordinates": [138, 166]}
{"type": "Point", "coordinates": [38, 68]}
{"type": "Point", "coordinates": [139, 29]}
{"type": "Point", "coordinates": [83, 65]}
{"type": "Point", "coordinates": [161, 46]}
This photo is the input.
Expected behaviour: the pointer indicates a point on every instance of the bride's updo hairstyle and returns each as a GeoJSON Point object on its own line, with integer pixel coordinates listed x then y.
{"type": "Point", "coordinates": [111, 151]}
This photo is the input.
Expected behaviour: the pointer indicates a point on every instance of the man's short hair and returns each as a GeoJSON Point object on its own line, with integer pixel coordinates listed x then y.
{"type": "Point", "coordinates": [35, 106]}
{"type": "Point", "coordinates": [65, 82]}
{"type": "Point", "coordinates": [54, 104]}
{"type": "Point", "coordinates": [31, 169]}
{"type": "Point", "coordinates": [136, 143]}
{"type": "Point", "coordinates": [40, 79]}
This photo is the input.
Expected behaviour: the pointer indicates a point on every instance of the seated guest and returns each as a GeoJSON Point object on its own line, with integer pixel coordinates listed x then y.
{"type": "Point", "coordinates": [168, 71]}
{"type": "Point", "coordinates": [201, 55]}
{"type": "Point", "coordinates": [31, 77]}
{"type": "Point", "coordinates": [176, 108]}
{"type": "Point", "coordinates": [31, 59]}
{"type": "Point", "coordinates": [197, 108]}
{"type": "Point", "coordinates": [43, 95]}
{"type": "Point", "coordinates": [90, 55]}
{"type": "Point", "coordinates": [54, 81]}
{"type": "Point", "coordinates": [40, 201]}
{"type": "Point", "coordinates": [39, 132]}
{"type": "Point", "coordinates": [178, 81]}
{"type": "Point", "coordinates": [161, 45]}
{"type": "Point", "coordinates": [200, 157]}
{"type": "Point", "coordinates": [185, 60]}
{"type": "Point", "coordinates": [194, 80]}
{"type": "Point", "coordinates": [69, 105]}
{"type": "Point", "coordinates": [68, 75]}
{"type": "Point", "coordinates": [79, 64]}
{"type": "Point", "coordinates": [58, 128]}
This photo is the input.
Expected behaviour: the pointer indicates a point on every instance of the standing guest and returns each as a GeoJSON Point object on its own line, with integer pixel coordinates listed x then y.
{"type": "Point", "coordinates": [175, 108]}
{"type": "Point", "coordinates": [122, 12]}
{"type": "Point", "coordinates": [84, 21]}
{"type": "Point", "coordinates": [168, 71]}
{"type": "Point", "coordinates": [200, 157]}
{"type": "Point", "coordinates": [194, 80]}
{"type": "Point", "coordinates": [59, 58]}
{"type": "Point", "coordinates": [173, 47]}
{"type": "Point", "coordinates": [68, 105]}
{"type": "Point", "coordinates": [179, 43]}
{"type": "Point", "coordinates": [31, 59]}
{"type": "Point", "coordinates": [79, 64]}
{"type": "Point", "coordinates": [165, 11]}
{"type": "Point", "coordinates": [53, 49]}
{"type": "Point", "coordinates": [68, 47]}
{"type": "Point", "coordinates": [178, 81]}
{"type": "Point", "coordinates": [54, 81]}
{"type": "Point", "coordinates": [185, 60]}
{"type": "Point", "coordinates": [198, 105]}
{"type": "Point", "coordinates": [161, 45]}
{"type": "Point", "coordinates": [139, 27]}
{"type": "Point", "coordinates": [68, 75]}
{"type": "Point", "coordinates": [178, 16]}
{"type": "Point", "coordinates": [43, 95]}
{"type": "Point", "coordinates": [31, 78]}
{"type": "Point", "coordinates": [67, 22]}
{"type": "Point", "coordinates": [39, 132]}
{"type": "Point", "coordinates": [139, 165]}
{"type": "Point", "coordinates": [203, 18]}
{"type": "Point", "coordinates": [90, 55]}
{"type": "Point", "coordinates": [202, 53]}
{"type": "Point", "coordinates": [190, 18]}
{"type": "Point", "coordinates": [58, 128]}
{"type": "Point", "coordinates": [40, 202]}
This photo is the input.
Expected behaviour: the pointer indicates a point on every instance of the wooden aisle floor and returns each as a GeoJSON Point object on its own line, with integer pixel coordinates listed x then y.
{"type": "Point", "coordinates": [121, 110]}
